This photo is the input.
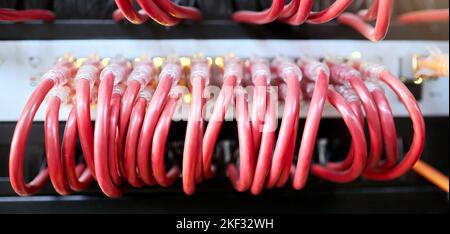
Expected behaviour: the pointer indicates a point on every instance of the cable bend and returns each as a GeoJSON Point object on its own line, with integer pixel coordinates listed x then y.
{"type": "Point", "coordinates": [262, 17]}
{"type": "Point", "coordinates": [159, 144]}
{"type": "Point", "coordinates": [242, 178]}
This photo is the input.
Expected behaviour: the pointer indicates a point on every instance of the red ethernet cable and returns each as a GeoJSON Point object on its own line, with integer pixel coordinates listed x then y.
{"type": "Point", "coordinates": [375, 71]}
{"type": "Point", "coordinates": [343, 74]}
{"type": "Point", "coordinates": [60, 73]}
{"type": "Point", "coordinates": [260, 73]}
{"type": "Point", "coordinates": [169, 76]}
{"type": "Point", "coordinates": [126, 9]}
{"type": "Point", "coordinates": [132, 138]}
{"type": "Point", "coordinates": [85, 80]}
{"type": "Point", "coordinates": [289, 10]}
{"type": "Point", "coordinates": [262, 17]}
{"type": "Point", "coordinates": [112, 75]}
{"type": "Point", "coordinates": [159, 144]}
{"type": "Point", "coordinates": [291, 74]}
{"type": "Point", "coordinates": [358, 141]}
{"type": "Point", "coordinates": [302, 13]}
{"type": "Point", "coordinates": [425, 16]}
{"type": "Point", "coordinates": [181, 12]}
{"type": "Point", "coordinates": [157, 14]}
{"type": "Point", "coordinates": [383, 19]}
{"type": "Point", "coordinates": [52, 146]}
{"type": "Point", "coordinates": [115, 157]}
{"type": "Point", "coordinates": [330, 13]}
{"type": "Point", "coordinates": [78, 176]}
{"type": "Point", "coordinates": [242, 178]}
{"type": "Point", "coordinates": [141, 75]}
{"type": "Point", "coordinates": [199, 77]}
{"type": "Point", "coordinates": [388, 126]}
{"type": "Point", "coordinates": [233, 74]}
{"type": "Point", "coordinates": [26, 15]}
{"type": "Point", "coordinates": [353, 101]}
{"type": "Point", "coordinates": [267, 144]}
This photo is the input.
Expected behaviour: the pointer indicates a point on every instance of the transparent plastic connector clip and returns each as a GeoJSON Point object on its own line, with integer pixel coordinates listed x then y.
{"type": "Point", "coordinates": [233, 66]}
{"type": "Point", "coordinates": [373, 85]}
{"type": "Point", "coordinates": [171, 68]}
{"type": "Point", "coordinates": [370, 71]}
{"type": "Point", "coordinates": [176, 92]}
{"type": "Point", "coordinates": [284, 67]}
{"type": "Point", "coordinates": [260, 68]}
{"type": "Point", "coordinates": [61, 72]}
{"type": "Point", "coordinates": [340, 73]}
{"type": "Point", "coordinates": [119, 67]}
{"type": "Point", "coordinates": [348, 93]}
{"type": "Point", "coordinates": [146, 93]}
{"type": "Point", "coordinates": [312, 68]}
{"type": "Point", "coordinates": [89, 70]}
{"type": "Point", "coordinates": [143, 71]}
{"type": "Point", "coordinates": [119, 89]}
{"type": "Point", "coordinates": [200, 68]}
{"type": "Point", "coordinates": [61, 92]}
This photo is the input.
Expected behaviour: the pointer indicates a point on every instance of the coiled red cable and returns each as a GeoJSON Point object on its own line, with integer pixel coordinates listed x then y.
{"type": "Point", "coordinates": [383, 19]}
{"type": "Point", "coordinates": [330, 13]}
{"type": "Point", "coordinates": [425, 16]}
{"type": "Point", "coordinates": [159, 144]}
{"type": "Point", "coordinates": [242, 178]}
{"type": "Point", "coordinates": [131, 142]}
{"type": "Point", "coordinates": [302, 13]}
{"type": "Point", "coordinates": [359, 143]}
{"type": "Point", "coordinates": [78, 176]}
{"type": "Point", "coordinates": [417, 144]}
{"type": "Point", "coordinates": [194, 131]}
{"type": "Point", "coordinates": [310, 130]}
{"type": "Point", "coordinates": [262, 17]}
{"type": "Point", "coordinates": [26, 15]}
{"type": "Point", "coordinates": [215, 123]}
{"type": "Point", "coordinates": [168, 78]}
{"type": "Point", "coordinates": [115, 159]}
{"type": "Point", "coordinates": [267, 144]}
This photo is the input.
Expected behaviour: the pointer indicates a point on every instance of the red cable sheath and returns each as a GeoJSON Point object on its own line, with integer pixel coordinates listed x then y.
{"type": "Point", "coordinates": [242, 179]}
{"type": "Point", "coordinates": [76, 179]}
{"type": "Point", "coordinates": [380, 30]}
{"type": "Point", "coordinates": [371, 13]}
{"type": "Point", "coordinates": [356, 108]}
{"type": "Point", "coordinates": [215, 123]}
{"type": "Point", "coordinates": [157, 14]}
{"type": "Point", "coordinates": [129, 97]}
{"type": "Point", "coordinates": [181, 12]}
{"type": "Point", "coordinates": [26, 15]}
{"type": "Point", "coordinates": [359, 141]}
{"type": "Point", "coordinates": [284, 143]}
{"type": "Point", "coordinates": [388, 128]}
{"type": "Point", "coordinates": [259, 109]}
{"type": "Point", "coordinates": [289, 10]}
{"type": "Point", "coordinates": [131, 142]}
{"type": "Point", "coordinates": [309, 136]}
{"type": "Point", "coordinates": [127, 10]}
{"type": "Point", "coordinates": [101, 155]}
{"type": "Point", "coordinates": [83, 107]}
{"type": "Point", "coordinates": [373, 120]}
{"type": "Point", "coordinates": [159, 145]}
{"type": "Point", "coordinates": [262, 17]}
{"type": "Point", "coordinates": [52, 147]}
{"type": "Point", "coordinates": [330, 13]}
{"type": "Point", "coordinates": [284, 177]}
{"type": "Point", "coordinates": [418, 142]}
{"type": "Point", "coordinates": [115, 159]}
{"type": "Point", "coordinates": [199, 164]}
{"type": "Point", "coordinates": [267, 144]}
{"type": "Point", "coordinates": [302, 14]}
{"type": "Point", "coordinates": [425, 16]}
{"type": "Point", "coordinates": [19, 141]}
{"type": "Point", "coordinates": [193, 131]}
{"type": "Point", "coordinates": [152, 115]}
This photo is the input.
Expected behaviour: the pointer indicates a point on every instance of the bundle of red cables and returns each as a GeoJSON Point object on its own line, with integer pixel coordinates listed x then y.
{"type": "Point", "coordinates": [135, 111]}
{"type": "Point", "coordinates": [164, 12]}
